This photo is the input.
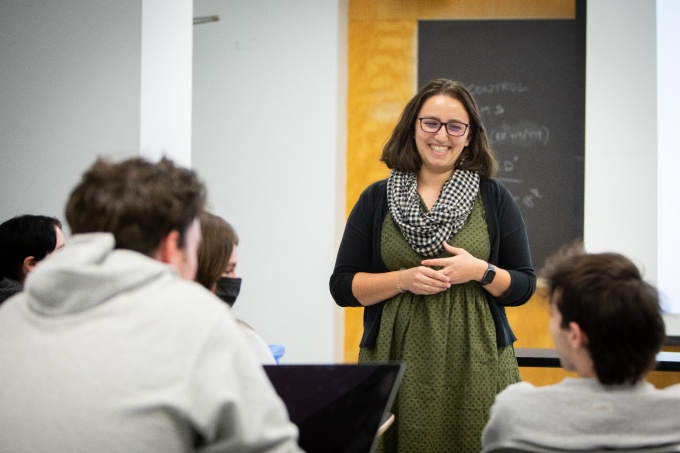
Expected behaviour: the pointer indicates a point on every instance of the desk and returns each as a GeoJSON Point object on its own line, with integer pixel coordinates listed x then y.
{"type": "Point", "coordinates": [548, 358]}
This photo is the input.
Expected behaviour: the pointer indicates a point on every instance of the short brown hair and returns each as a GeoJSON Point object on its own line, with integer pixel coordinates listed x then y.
{"type": "Point", "coordinates": [400, 151]}
{"type": "Point", "coordinates": [140, 202]}
{"type": "Point", "coordinates": [617, 310]}
{"type": "Point", "coordinates": [218, 239]}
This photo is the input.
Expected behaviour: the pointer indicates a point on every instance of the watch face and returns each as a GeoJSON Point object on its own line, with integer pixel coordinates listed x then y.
{"type": "Point", "coordinates": [489, 275]}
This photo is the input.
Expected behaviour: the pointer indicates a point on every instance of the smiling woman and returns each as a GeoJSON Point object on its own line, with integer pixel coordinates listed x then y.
{"type": "Point", "coordinates": [382, 39]}
{"type": "Point", "coordinates": [434, 253]}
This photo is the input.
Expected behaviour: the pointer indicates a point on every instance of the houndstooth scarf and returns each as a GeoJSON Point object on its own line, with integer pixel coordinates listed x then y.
{"type": "Point", "coordinates": [425, 231]}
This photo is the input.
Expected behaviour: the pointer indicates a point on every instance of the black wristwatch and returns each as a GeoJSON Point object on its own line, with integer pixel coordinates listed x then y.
{"type": "Point", "coordinates": [488, 275]}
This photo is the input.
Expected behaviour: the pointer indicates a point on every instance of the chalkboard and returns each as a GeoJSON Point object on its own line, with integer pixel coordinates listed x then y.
{"type": "Point", "coordinates": [528, 78]}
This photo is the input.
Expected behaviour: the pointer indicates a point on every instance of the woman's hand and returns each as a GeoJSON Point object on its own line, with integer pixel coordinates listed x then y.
{"type": "Point", "coordinates": [424, 280]}
{"type": "Point", "coordinates": [459, 268]}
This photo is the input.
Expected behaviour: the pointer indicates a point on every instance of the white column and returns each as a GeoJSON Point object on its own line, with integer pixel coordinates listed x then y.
{"type": "Point", "coordinates": [668, 98]}
{"type": "Point", "coordinates": [167, 40]}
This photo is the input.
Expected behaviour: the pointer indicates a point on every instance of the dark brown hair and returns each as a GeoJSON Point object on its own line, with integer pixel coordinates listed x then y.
{"type": "Point", "coordinates": [618, 311]}
{"type": "Point", "coordinates": [400, 151]}
{"type": "Point", "coordinates": [218, 239]}
{"type": "Point", "coordinates": [140, 202]}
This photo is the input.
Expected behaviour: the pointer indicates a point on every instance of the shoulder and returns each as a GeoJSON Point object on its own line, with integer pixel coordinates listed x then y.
{"type": "Point", "coordinates": [257, 344]}
{"type": "Point", "coordinates": [191, 296]}
{"type": "Point", "coordinates": [526, 395]}
{"type": "Point", "coordinates": [672, 391]}
{"type": "Point", "coordinates": [493, 187]}
{"type": "Point", "coordinates": [175, 301]}
{"type": "Point", "coordinates": [519, 389]}
{"type": "Point", "coordinates": [372, 198]}
{"type": "Point", "coordinates": [376, 190]}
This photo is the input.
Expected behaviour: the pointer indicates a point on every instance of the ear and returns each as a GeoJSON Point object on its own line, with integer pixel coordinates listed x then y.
{"type": "Point", "coordinates": [29, 264]}
{"type": "Point", "coordinates": [576, 336]}
{"type": "Point", "coordinates": [168, 249]}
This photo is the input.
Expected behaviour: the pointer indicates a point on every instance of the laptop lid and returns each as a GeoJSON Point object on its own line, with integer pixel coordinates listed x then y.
{"type": "Point", "coordinates": [338, 408]}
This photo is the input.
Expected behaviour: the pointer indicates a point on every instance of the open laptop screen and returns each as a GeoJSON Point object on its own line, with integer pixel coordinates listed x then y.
{"type": "Point", "coordinates": [339, 407]}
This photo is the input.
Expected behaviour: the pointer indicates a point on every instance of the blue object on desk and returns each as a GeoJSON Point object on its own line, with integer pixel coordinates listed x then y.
{"type": "Point", "coordinates": [277, 351]}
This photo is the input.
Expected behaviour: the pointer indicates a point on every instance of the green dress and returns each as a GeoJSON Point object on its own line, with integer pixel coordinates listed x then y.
{"type": "Point", "coordinates": [448, 342]}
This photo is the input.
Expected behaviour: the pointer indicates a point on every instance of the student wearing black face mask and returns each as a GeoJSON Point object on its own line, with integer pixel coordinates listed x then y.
{"type": "Point", "coordinates": [217, 260]}
{"type": "Point", "coordinates": [228, 288]}
{"type": "Point", "coordinates": [229, 284]}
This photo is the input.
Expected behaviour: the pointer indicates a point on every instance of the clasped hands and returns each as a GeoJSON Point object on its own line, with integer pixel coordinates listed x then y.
{"type": "Point", "coordinates": [462, 267]}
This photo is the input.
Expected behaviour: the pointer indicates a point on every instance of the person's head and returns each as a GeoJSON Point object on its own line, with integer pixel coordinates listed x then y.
{"type": "Point", "coordinates": [217, 258]}
{"type": "Point", "coordinates": [601, 306]}
{"type": "Point", "coordinates": [151, 208]}
{"type": "Point", "coordinates": [216, 251]}
{"type": "Point", "coordinates": [26, 240]}
{"type": "Point", "coordinates": [473, 151]}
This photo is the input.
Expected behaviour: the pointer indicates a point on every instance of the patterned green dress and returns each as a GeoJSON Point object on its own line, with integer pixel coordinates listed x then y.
{"type": "Point", "coordinates": [448, 342]}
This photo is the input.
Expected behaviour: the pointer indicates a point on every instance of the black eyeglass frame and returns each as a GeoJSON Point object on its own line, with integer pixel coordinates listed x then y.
{"type": "Point", "coordinates": [446, 128]}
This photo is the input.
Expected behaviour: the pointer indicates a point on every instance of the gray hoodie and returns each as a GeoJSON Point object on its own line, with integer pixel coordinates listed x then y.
{"type": "Point", "coordinates": [111, 351]}
{"type": "Point", "coordinates": [580, 414]}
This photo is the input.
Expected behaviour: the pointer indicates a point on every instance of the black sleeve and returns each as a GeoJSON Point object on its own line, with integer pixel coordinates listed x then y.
{"type": "Point", "coordinates": [357, 252]}
{"type": "Point", "coordinates": [514, 254]}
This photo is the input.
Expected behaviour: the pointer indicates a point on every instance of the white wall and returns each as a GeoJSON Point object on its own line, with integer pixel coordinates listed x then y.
{"type": "Point", "coordinates": [69, 90]}
{"type": "Point", "coordinates": [269, 114]}
{"type": "Point", "coordinates": [631, 191]}
{"type": "Point", "coordinates": [668, 95]}
{"type": "Point", "coordinates": [621, 163]}
{"type": "Point", "coordinates": [167, 37]}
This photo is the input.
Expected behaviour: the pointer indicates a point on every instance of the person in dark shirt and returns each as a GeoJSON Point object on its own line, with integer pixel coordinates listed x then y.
{"type": "Point", "coordinates": [25, 241]}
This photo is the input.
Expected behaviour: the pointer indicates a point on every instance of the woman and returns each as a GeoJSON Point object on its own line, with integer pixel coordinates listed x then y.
{"type": "Point", "coordinates": [217, 259]}
{"type": "Point", "coordinates": [434, 253]}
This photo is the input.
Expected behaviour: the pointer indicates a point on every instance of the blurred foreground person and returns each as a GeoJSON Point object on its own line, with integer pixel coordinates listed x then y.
{"type": "Point", "coordinates": [113, 348]}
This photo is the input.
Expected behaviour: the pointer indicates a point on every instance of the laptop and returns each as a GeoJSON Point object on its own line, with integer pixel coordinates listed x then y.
{"type": "Point", "coordinates": [338, 408]}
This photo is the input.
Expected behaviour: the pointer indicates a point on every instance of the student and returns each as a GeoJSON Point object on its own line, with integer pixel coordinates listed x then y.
{"type": "Point", "coordinates": [607, 328]}
{"type": "Point", "coordinates": [25, 241]}
{"type": "Point", "coordinates": [113, 348]}
{"type": "Point", "coordinates": [217, 261]}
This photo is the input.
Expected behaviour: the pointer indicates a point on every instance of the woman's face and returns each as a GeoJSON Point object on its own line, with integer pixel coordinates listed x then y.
{"type": "Point", "coordinates": [440, 151]}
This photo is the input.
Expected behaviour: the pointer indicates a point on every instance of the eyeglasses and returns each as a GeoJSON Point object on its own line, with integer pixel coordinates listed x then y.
{"type": "Point", "coordinates": [454, 128]}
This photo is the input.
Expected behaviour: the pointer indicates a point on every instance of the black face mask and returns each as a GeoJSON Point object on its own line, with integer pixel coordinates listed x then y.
{"type": "Point", "coordinates": [227, 289]}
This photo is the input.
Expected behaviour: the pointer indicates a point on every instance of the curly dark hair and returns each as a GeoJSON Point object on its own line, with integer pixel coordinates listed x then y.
{"type": "Point", "coordinates": [140, 202]}
{"type": "Point", "coordinates": [400, 151]}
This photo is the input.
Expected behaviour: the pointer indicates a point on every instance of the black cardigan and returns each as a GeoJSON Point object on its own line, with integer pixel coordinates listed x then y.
{"type": "Point", "coordinates": [360, 252]}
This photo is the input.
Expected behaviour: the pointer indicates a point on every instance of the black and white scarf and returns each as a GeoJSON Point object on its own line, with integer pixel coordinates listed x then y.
{"type": "Point", "coordinates": [425, 231]}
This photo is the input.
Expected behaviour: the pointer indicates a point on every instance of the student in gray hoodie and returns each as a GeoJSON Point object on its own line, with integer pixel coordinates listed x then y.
{"type": "Point", "coordinates": [113, 348]}
{"type": "Point", "coordinates": [607, 328]}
